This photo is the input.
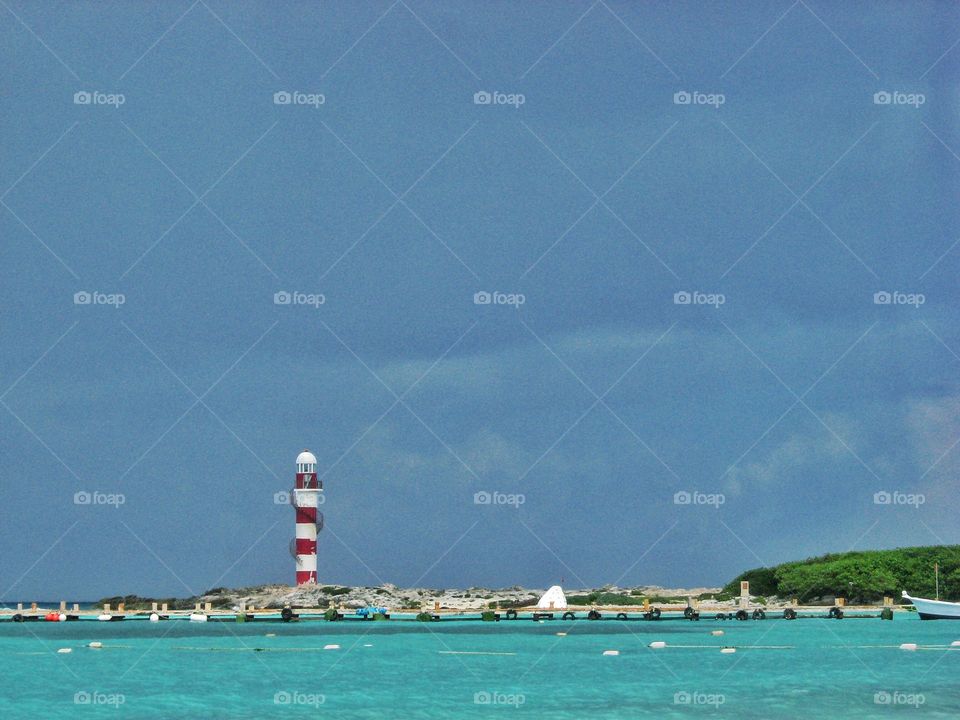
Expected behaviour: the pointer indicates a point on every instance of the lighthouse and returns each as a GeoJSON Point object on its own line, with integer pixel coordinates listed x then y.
{"type": "Point", "coordinates": [307, 496]}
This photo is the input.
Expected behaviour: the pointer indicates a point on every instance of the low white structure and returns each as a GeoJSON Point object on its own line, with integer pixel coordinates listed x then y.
{"type": "Point", "coordinates": [553, 599]}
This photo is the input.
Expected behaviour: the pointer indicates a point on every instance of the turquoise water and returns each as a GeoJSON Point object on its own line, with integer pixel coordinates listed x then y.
{"type": "Point", "coordinates": [178, 669]}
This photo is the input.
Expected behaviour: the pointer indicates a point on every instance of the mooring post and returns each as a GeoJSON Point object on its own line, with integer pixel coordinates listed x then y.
{"type": "Point", "coordinates": [76, 607]}
{"type": "Point", "coordinates": [106, 607]}
{"type": "Point", "coordinates": [887, 601]}
{"type": "Point", "coordinates": [841, 601]}
{"type": "Point", "coordinates": [208, 607]}
{"type": "Point", "coordinates": [153, 607]}
{"type": "Point", "coordinates": [63, 606]}
{"type": "Point", "coordinates": [646, 604]}
{"type": "Point", "coordinates": [120, 607]}
{"type": "Point", "coordinates": [163, 607]}
{"type": "Point", "coordinates": [744, 594]}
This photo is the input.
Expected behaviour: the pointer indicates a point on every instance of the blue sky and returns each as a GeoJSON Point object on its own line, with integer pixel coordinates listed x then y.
{"type": "Point", "coordinates": [793, 198]}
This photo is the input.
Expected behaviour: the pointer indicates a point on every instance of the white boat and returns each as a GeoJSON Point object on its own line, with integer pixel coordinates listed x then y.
{"type": "Point", "coordinates": [934, 609]}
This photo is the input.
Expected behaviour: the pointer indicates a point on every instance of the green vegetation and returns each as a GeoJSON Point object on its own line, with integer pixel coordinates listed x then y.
{"type": "Point", "coordinates": [860, 576]}
{"type": "Point", "coordinates": [604, 598]}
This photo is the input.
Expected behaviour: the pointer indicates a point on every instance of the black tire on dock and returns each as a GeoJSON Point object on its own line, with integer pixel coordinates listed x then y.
{"type": "Point", "coordinates": [569, 615]}
{"type": "Point", "coordinates": [622, 616]}
{"type": "Point", "coordinates": [17, 618]}
{"type": "Point", "coordinates": [688, 612]}
{"type": "Point", "coordinates": [741, 614]}
{"type": "Point", "coordinates": [759, 614]}
{"type": "Point", "coordinates": [656, 613]}
{"type": "Point", "coordinates": [789, 614]}
{"type": "Point", "coordinates": [511, 614]}
{"type": "Point", "coordinates": [721, 616]}
{"type": "Point", "coordinates": [695, 616]}
{"type": "Point", "coordinates": [593, 615]}
{"type": "Point", "coordinates": [286, 614]}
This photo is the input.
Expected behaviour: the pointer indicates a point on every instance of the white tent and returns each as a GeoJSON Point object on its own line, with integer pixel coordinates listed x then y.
{"type": "Point", "coordinates": [553, 599]}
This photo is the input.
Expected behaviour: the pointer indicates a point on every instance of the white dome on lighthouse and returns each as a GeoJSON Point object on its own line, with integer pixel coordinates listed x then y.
{"type": "Point", "coordinates": [306, 458]}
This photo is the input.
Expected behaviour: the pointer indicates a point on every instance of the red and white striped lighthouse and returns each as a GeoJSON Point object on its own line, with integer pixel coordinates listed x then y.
{"type": "Point", "coordinates": [307, 496]}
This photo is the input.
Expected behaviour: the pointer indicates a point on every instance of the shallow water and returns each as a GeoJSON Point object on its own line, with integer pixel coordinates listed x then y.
{"type": "Point", "coordinates": [172, 669]}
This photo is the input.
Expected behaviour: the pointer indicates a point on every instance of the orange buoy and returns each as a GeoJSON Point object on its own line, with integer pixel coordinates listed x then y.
{"type": "Point", "coordinates": [52, 617]}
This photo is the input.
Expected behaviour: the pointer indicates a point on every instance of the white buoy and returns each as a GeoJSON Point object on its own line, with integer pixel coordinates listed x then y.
{"type": "Point", "coordinates": [198, 617]}
{"type": "Point", "coordinates": [955, 643]}
{"type": "Point", "coordinates": [716, 632]}
{"type": "Point", "coordinates": [95, 644]}
{"type": "Point", "coordinates": [154, 617]}
{"type": "Point", "coordinates": [611, 652]}
{"type": "Point", "coordinates": [908, 646]}
{"type": "Point", "coordinates": [728, 651]}
{"type": "Point", "coordinates": [656, 644]}
{"type": "Point", "coordinates": [62, 617]}
{"type": "Point", "coordinates": [331, 647]}
{"type": "Point", "coordinates": [368, 645]}
{"type": "Point", "coordinates": [63, 651]}
{"type": "Point", "coordinates": [270, 635]}
{"type": "Point", "coordinates": [104, 617]}
{"type": "Point", "coordinates": [561, 634]}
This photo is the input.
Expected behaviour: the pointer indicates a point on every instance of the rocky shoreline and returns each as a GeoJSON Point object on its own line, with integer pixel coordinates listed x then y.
{"type": "Point", "coordinates": [396, 598]}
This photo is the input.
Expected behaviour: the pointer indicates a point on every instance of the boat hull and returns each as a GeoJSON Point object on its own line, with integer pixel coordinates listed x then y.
{"type": "Point", "coordinates": [935, 609]}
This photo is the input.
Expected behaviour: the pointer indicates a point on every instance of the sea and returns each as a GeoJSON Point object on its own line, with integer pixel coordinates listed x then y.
{"type": "Point", "coordinates": [809, 667]}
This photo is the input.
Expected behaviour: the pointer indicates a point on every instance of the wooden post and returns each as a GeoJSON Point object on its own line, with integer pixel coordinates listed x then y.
{"type": "Point", "coordinates": [841, 601]}
{"type": "Point", "coordinates": [19, 607]}
{"type": "Point", "coordinates": [196, 608]}
{"type": "Point", "coordinates": [33, 606]}
{"type": "Point", "coordinates": [153, 607]}
{"type": "Point", "coordinates": [76, 607]}
{"type": "Point", "coordinates": [120, 607]}
{"type": "Point", "coordinates": [744, 594]}
{"type": "Point", "coordinates": [646, 604]}
{"type": "Point", "coordinates": [163, 607]}
{"type": "Point", "coordinates": [106, 607]}
{"type": "Point", "coordinates": [436, 606]}
{"type": "Point", "coordinates": [208, 607]}
{"type": "Point", "coordinates": [63, 606]}
{"type": "Point", "coordinates": [887, 601]}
